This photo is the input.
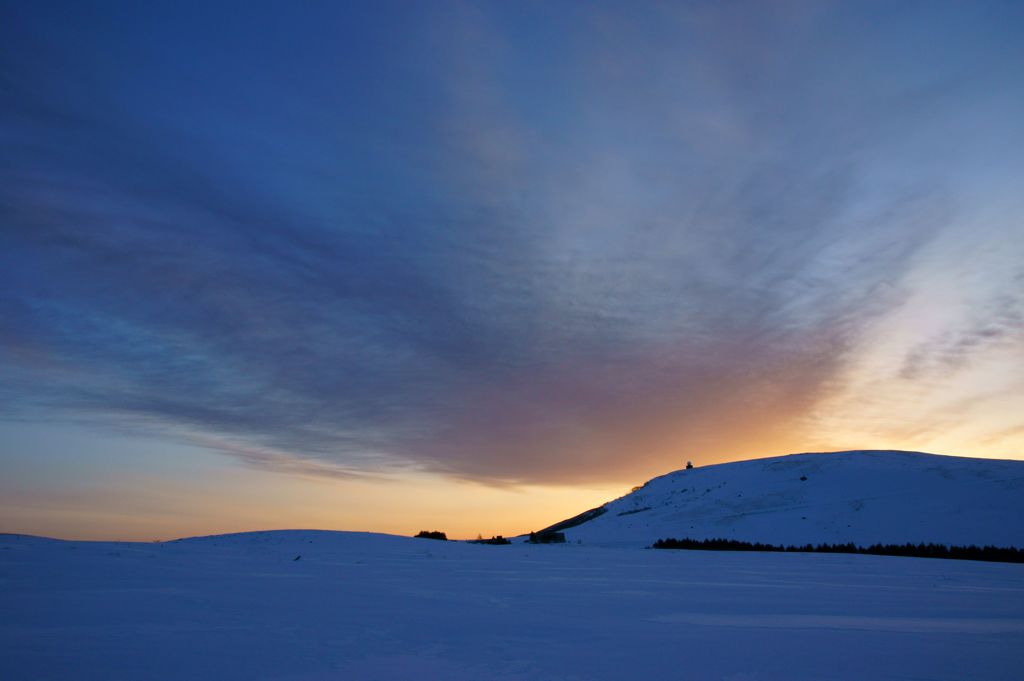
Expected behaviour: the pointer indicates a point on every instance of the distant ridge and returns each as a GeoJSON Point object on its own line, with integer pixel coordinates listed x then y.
{"type": "Point", "coordinates": [864, 497]}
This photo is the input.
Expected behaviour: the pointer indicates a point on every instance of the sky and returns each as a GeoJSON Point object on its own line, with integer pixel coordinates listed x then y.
{"type": "Point", "coordinates": [479, 266]}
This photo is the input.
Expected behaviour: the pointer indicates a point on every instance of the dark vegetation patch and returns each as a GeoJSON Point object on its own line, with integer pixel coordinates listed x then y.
{"type": "Point", "coordinates": [972, 552]}
{"type": "Point", "coordinates": [547, 537]}
{"type": "Point", "coordinates": [495, 541]}
{"type": "Point", "coordinates": [424, 534]}
{"type": "Point", "coordinates": [635, 510]}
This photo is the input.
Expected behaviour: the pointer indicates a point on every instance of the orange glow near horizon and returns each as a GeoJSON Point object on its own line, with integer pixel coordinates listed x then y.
{"type": "Point", "coordinates": [247, 500]}
{"type": "Point", "coordinates": [242, 499]}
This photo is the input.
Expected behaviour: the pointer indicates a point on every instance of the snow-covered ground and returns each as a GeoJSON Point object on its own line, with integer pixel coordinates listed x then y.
{"type": "Point", "coordinates": [363, 606]}
{"type": "Point", "coordinates": [863, 497]}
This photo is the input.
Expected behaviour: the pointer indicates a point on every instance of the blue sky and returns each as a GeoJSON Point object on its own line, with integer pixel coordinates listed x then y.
{"type": "Point", "coordinates": [515, 246]}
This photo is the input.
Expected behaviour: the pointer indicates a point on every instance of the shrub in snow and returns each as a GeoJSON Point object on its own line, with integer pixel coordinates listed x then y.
{"type": "Point", "coordinates": [424, 534]}
{"type": "Point", "coordinates": [495, 541]}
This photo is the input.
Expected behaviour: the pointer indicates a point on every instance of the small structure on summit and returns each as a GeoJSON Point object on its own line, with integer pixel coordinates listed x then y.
{"type": "Point", "coordinates": [689, 465]}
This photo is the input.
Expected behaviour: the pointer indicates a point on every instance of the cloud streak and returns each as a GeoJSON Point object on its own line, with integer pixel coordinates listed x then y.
{"type": "Point", "coordinates": [581, 272]}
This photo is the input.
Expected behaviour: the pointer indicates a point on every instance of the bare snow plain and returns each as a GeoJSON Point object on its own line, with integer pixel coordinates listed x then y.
{"type": "Point", "coordinates": [361, 606]}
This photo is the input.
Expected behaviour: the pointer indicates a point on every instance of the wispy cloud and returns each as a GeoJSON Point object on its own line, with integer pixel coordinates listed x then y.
{"type": "Point", "coordinates": [580, 259]}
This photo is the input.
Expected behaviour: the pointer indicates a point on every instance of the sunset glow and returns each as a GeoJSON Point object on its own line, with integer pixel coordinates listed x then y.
{"type": "Point", "coordinates": [478, 267]}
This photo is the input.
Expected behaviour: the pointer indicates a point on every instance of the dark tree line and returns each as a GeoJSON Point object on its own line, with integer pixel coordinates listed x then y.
{"type": "Point", "coordinates": [972, 552]}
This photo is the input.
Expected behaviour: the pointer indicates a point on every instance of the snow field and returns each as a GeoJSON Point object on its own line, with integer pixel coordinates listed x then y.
{"type": "Point", "coordinates": [362, 606]}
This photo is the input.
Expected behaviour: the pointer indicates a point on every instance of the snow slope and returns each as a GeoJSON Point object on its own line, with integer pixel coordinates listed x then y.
{"type": "Point", "coordinates": [364, 607]}
{"type": "Point", "coordinates": [861, 496]}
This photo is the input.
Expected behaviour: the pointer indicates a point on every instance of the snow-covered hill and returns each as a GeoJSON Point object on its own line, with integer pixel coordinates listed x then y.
{"type": "Point", "coordinates": [860, 496]}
